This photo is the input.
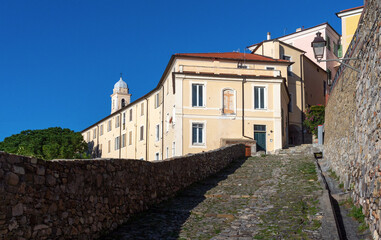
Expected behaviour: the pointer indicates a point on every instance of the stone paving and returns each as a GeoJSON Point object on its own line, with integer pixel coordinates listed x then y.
{"type": "Point", "coordinates": [267, 197]}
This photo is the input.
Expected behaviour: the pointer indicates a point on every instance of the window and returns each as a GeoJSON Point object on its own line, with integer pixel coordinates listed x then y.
{"type": "Point", "coordinates": [197, 95]}
{"type": "Point", "coordinates": [157, 156]}
{"type": "Point", "coordinates": [157, 130]}
{"type": "Point", "coordinates": [173, 149]}
{"type": "Point", "coordinates": [123, 140]}
{"type": "Point", "coordinates": [228, 104]}
{"type": "Point", "coordinates": [117, 121]}
{"type": "Point", "coordinates": [328, 43]}
{"type": "Point", "coordinates": [124, 121]}
{"type": "Point", "coordinates": [130, 138]}
{"type": "Point", "coordinates": [167, 152]}
{"type": "Point", "coordinates": [197, 133]}
{"type": "Point", "coordinates": [142, 109]}
{"type": "Point", "coordinates": [289, 68]}
{"type": "Point", "coordinates": [335, 48]}
{"type": "Point", "coordinates": [329, 74]}
{"type": "Point", "coordinates": [100, 149]}
{"type": "Point", "coordinates": [109, 146]}
{"type": "Point", "coordinates": [94, 133]}
{"type": "Point", "coordinates": [270, 68]}
{"type": "Point", "coordinates": [123, 102]}
{"type": "Point", "coordinates": [117, 143]}
{"type": "Point", "coordinates": [88, 136]}
{"type": "Point", "coordinates": [141, 133]}
{"type": "Point", "coordinates": [259, 98]}
{"type": "Point", "coordinates": [109, 126]}
{"type": "Point", "coordinates": [340, 50]}
{"type": "Point", "coordinates": [130, 114]}
{"type": "Point", "coordinates": [101, 130]}
{"type": "Point", "coordinates": [290, 104]}
{"type": "Point", "coordinates": [157, 103]}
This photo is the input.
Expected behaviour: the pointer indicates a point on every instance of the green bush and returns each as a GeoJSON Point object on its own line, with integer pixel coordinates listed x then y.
{"type": "Point", "coordinates": [314, 116]}
{"type": "Point", "coordinates": [47, 144]}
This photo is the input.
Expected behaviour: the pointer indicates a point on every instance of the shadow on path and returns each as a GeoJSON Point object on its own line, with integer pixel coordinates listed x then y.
{"type": "Point", "coordinates": [165, 220]}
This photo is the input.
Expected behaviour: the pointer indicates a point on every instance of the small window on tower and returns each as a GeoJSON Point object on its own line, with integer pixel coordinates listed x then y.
{"type": "Point", "coordinates": [123, 102]}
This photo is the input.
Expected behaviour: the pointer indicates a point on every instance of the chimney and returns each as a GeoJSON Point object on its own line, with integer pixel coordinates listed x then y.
{"type": "Point", "coordinates": [298, 29]}
{"type": "Point", "coordinates": [268, 35]}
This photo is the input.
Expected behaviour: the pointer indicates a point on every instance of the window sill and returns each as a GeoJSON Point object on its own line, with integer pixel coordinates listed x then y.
{"type": "Point", "coordinates": [198, 144]}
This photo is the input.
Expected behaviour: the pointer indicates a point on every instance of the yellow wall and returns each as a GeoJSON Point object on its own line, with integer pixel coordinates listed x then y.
{"type": "Point", "coordinates": [349, 23]}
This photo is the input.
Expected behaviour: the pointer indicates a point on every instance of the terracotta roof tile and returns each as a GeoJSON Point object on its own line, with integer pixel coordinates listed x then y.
{"type": "Point", "coordinates": [232, 55]}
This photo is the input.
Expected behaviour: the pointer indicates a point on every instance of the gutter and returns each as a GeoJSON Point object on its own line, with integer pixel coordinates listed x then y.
{"type": "Point", "coordinates": [162, 125]}
{"type": "Point", "coordinates": [301, 93]}
{"type": "Point", "coordinates": [146, 129]}
{"type": "Point", "coordinates": [243, 109]}
{"type": "Point", "coordinates": [120, 135]}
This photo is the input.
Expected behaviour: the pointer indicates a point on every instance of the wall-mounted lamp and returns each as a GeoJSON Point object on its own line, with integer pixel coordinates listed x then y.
{"type": "Point", "coordinates": [318, 45]}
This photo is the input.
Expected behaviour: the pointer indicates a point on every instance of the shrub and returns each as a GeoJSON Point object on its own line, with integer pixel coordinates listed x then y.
{"type": "Point", "coordinates": [314, 116]}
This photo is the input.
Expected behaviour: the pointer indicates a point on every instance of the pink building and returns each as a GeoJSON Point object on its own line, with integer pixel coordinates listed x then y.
{"type": "Point", "coordinates": [302, 39]}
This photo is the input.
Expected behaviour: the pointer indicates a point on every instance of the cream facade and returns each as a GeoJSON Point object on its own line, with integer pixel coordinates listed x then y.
{"type": "Point", "coordinates": [306, 83]}
{"type": "Point", "coordinates": [202, 102]}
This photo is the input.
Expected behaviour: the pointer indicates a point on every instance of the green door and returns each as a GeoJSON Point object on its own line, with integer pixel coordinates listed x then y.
{"type": "Point", "coordinates": [260, 137]}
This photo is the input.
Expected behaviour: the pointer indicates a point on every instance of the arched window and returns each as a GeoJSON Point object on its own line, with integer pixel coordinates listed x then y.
{"type": "Point", "coordinates": [123, 102]}
{"type": "Point", "coordinates": [229, 101]}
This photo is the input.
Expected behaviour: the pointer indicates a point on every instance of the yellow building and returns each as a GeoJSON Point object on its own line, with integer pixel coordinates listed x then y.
{"type": "Point", "coordinates": [202, 102]}
{"type": "Point", "coordinates": [349, 22]}
{"type": "Point", "coordinates": [306, 83]}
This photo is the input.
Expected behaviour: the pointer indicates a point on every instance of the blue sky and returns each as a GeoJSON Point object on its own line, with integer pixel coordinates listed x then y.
{"type": "Point", "coordinates": [60, 59]}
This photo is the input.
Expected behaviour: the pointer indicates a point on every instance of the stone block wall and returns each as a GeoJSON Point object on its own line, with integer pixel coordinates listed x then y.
{"type": "Point", "coordinates": [353, 120]}
{"type": "Point", "coordinates": [80, 199]}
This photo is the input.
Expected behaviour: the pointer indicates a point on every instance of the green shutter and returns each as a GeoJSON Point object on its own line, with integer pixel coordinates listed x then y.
{"type": "Point", "coordinates": [340, 51]}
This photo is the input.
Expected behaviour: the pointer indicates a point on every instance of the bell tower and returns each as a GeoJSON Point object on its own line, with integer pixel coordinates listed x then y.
{"type": "Point", "coordinates": [120, 96]}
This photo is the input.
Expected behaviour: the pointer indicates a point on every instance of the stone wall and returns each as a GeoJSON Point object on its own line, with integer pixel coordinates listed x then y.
{"type": "Point", "coordinates": [353, 120]}
{"type": "Point", "coordinates": [80, 199]}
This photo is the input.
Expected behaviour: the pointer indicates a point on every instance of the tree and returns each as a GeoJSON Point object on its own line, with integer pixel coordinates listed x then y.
{"type": "Point", "coordinates": [314, 118]}
{"type": "Point", "coordinates": [48, 144]}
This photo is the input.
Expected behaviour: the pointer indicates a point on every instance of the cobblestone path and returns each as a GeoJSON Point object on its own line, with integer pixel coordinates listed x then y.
{"type": "Point", "coordinates": [270, 197]}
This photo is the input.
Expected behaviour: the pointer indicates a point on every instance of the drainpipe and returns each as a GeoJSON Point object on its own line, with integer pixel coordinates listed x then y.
{"type": "Point", "coordinates": [162, 125]}
{"type": "Point", "coordinates": [136, 134]}
{"type": "Point", "coordinates": [243, 106]}
{"type": "Point", "coordinates": [302, 93]}
{"type": "Point", "coordinates": [120, 135]}
{"type": "Point", "coordinates": [243, 110]}
{"type": "Point", "coordinates": [146, 129]}
{"type": "Point", "coordinates": [97, 140]}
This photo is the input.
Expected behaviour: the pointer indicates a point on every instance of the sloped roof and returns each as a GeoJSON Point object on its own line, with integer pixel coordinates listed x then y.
{"type": "Point", "coordinates": [300, 32]}
{"type": "Point", "coordinates": [350, 9]}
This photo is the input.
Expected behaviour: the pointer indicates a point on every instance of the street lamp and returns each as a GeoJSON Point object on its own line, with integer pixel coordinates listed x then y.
{"type": "Point", "coordinates": [318, 45]}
